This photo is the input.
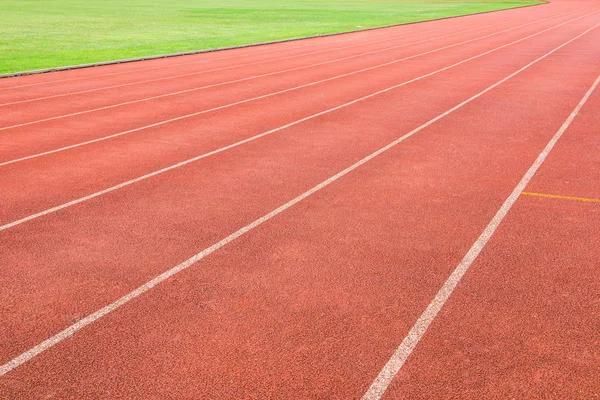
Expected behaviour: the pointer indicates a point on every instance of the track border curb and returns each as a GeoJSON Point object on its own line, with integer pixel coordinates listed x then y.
{"type": "Point", "coordinates": [192, 52]}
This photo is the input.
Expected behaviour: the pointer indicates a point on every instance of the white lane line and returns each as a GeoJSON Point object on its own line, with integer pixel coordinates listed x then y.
{"type": "Point", "coordinates": [5, 163]}
{"type": "Point", "coordinates": [257, 62]}
{"type": "Point", "coordinates": [393, 366]}
{"type": "Point", "coordinates": [71, 330]}
{"type": "Point", "coordinates": [241, 79]}
{"type": "Point", "coordinates": [342, 40]}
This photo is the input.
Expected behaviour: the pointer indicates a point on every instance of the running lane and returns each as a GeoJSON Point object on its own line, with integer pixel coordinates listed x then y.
{"type": "Point", "coordinates": [312, 303]}
{"type": "Point", "coordinates": [525, 322]}
{"type": "Point", "coordinates": [34, 185]}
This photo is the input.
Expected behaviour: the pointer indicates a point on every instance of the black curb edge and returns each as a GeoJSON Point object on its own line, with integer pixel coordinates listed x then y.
{"type": "Point", "coordinates": [187, 53]}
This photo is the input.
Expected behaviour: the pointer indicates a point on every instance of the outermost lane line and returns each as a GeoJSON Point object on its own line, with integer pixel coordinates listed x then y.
{"type": "Point", "coordinates": [258, 62]}
{"type": "Point", "coordinates": [557, 196]}
{"type": "Point", "coordinates": [45, 153]}
{"type": "Point", "coordinates": [216, 70]}
{"type": "Point", "coordinates": [235, 56]}
{"type": "Point", "coordinates": [377, 387]}
{"type": "Point", "coordinates": [344, 37]}
{"type": "Point", "coordinates": [242, 79]}
{"type": "Point", "coordinates": [398, 359]}
{"type": "Point", "coordinates": [252, 138]}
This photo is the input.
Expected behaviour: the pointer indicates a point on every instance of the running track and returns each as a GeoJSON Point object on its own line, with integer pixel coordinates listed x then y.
{"type": "Point", "coordinates": [410, 212]}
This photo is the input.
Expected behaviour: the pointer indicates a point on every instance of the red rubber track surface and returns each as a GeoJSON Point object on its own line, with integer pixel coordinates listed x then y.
{"type": "Point", "coordinates": [524, 323]}
{"type": "Point", "coordinates": [313, 302]}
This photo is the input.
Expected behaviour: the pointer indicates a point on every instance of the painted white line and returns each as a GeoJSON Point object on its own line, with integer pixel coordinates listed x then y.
{"type": "Point", "coordinates": [344, 38]}
{"type": "Point", "coordinates": [252, 63]}
{"type": "Point", "coordinates": [417, 331]}
{"type": "Point", "coordinates": [237, 80]}
{"type": "Point", "coordinates": [71, 330]}
{"type": "Point", "coordinates": [5, 163]}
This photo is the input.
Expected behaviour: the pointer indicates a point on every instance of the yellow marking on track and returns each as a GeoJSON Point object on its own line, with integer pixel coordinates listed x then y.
{"type": "Point", "coordinates": [556, 196]}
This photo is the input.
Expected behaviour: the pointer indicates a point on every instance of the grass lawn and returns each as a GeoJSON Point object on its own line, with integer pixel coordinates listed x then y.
{"type": "Point", "coordinates": [38, 34]}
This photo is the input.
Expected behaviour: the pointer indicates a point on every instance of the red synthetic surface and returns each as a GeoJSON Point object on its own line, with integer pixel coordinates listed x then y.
{"type": "Point", "coordinates": [312, 303]}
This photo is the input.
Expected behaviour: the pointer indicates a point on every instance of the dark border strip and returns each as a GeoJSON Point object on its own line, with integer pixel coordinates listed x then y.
{"type": "Point", "coordinates": [187, 53]}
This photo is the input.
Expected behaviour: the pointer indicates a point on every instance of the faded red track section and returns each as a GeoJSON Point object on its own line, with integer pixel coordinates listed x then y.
{"type": "Point", "coordinates": [307, 200]}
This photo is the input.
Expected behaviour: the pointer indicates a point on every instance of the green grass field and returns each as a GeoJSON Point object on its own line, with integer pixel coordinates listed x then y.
{"type": "Point", "coordinates": [38, 34]}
